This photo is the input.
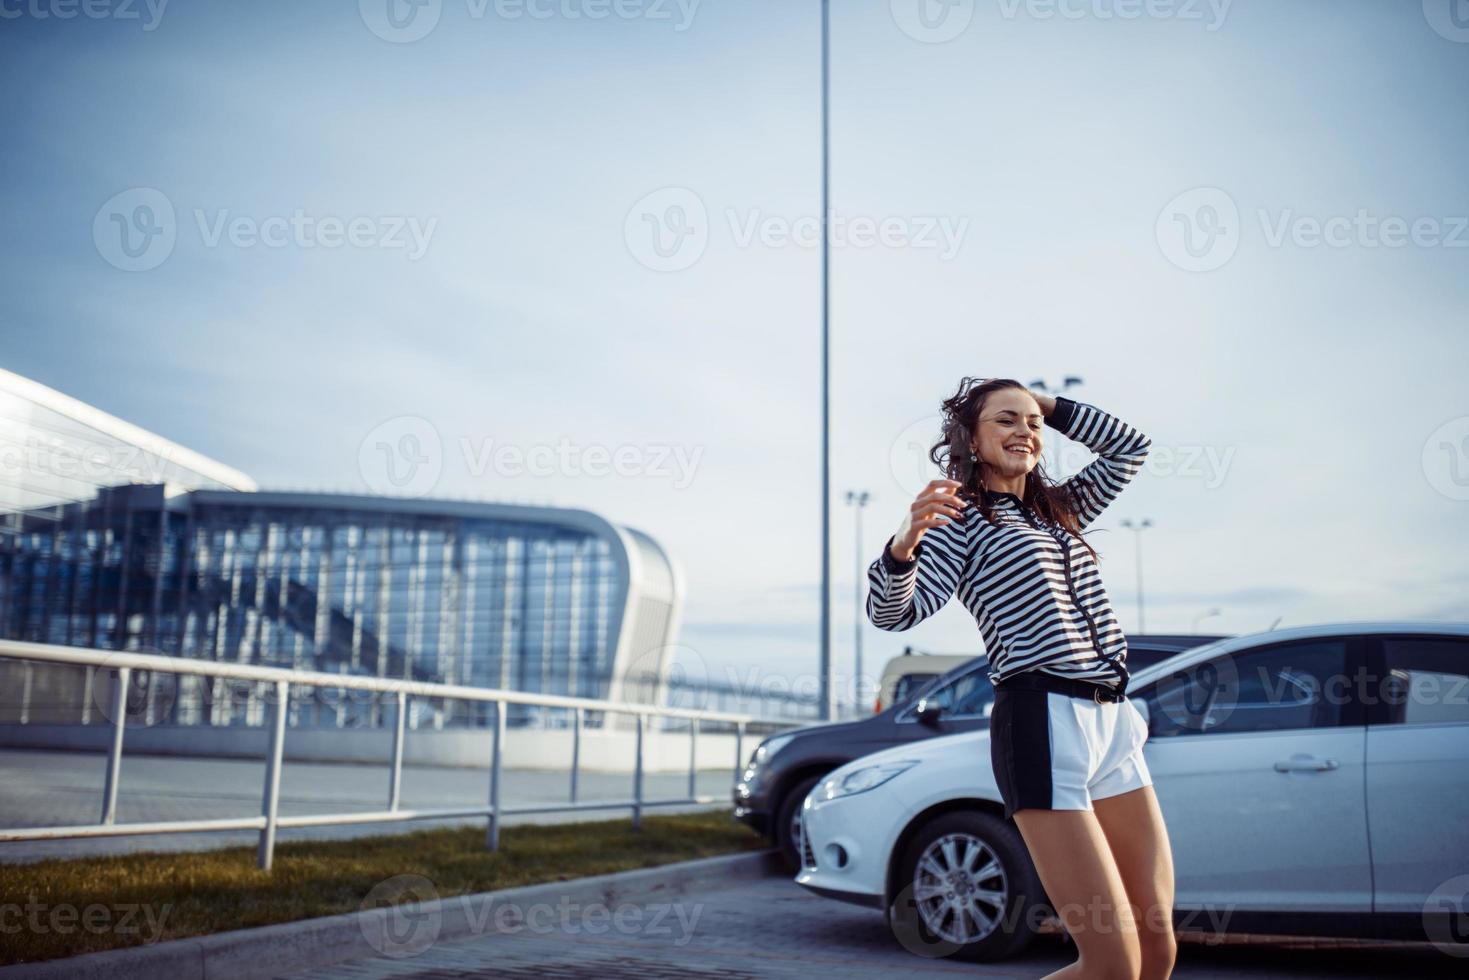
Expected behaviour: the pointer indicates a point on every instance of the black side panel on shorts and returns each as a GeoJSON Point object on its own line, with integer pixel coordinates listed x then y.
{"type": "Point", "coordinates": [1020, 749]}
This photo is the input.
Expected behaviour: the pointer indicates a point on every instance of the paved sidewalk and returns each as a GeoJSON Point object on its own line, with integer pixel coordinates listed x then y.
{"type": "Point", "coordinates": [53, 788]}
{"type": "Point", "coordinates": [774, 929]}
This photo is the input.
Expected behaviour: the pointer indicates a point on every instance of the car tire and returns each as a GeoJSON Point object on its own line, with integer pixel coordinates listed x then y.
{"type": "Point", "coordinates": [1012, 890]}
{"type": "Point", "coordinates": [786, 815]}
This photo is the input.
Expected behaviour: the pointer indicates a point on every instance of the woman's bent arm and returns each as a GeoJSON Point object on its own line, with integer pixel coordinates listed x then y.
{"type": "Point", "coordinates": [1120, 449]}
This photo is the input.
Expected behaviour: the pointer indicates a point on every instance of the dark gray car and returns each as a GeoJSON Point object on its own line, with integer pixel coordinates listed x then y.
{"type": "Point", "coordinates": [784, 766]}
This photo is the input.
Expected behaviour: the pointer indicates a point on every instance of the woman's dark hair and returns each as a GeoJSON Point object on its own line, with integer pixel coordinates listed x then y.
{"type": "Point", "coordinates": [1051, 502]}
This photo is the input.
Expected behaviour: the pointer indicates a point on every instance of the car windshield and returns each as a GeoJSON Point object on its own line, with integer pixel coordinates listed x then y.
{"type": "Point", "coordinates": [962, 688]}
{"type": "Point", "coordinates": [909, 684]}
{"type": "Point", "coordinates": [966, 689]}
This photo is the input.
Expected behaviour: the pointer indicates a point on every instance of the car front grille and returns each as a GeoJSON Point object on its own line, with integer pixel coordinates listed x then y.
{"type": "Point", "coordinates": [808, 856]}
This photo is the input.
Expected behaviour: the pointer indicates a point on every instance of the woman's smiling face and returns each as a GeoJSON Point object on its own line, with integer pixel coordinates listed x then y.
{"type": "Point", "coordinates": [1008, 436]}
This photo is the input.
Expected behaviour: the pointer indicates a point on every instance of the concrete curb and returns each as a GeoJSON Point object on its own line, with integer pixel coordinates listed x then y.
{"type": "Point", "coordinates": [272, 950]}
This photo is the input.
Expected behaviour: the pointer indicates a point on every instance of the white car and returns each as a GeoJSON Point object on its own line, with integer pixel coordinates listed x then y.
{"type": "Point", "coordinates": [1314, 780]}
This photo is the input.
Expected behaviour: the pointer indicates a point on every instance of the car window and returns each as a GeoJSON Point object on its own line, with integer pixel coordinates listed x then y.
{"type": "Point", "coordinates": [1275, 688]}
{"type": "Point", "coordinates": [908, 685]}
{"type": "Point", "coordinates": [1427, 681]}
{"type": "Point", "coordinates": [969, 694]}
{"type": "Point", "coordinates": [966, 695]}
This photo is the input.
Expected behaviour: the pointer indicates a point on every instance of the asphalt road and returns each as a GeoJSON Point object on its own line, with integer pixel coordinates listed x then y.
{"type": "Point", "coordinates": [775, 929]}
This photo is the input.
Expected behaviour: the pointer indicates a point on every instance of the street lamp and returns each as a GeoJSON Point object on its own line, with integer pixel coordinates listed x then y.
{"type": "Point", "coordinates": [1138, 529]}
{"type": "Point", "coordinates": [1067, 383]}
{"type": "Point", "coordinates": [858, 500]}
{"type": "Point", "coordinates": [1203, 616]}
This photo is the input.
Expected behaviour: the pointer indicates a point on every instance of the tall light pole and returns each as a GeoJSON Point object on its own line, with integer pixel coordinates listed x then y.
{"type": "Point", "coordinates": [858, 500]}
{"type": "Point", "coordinates": [1137, 529]}
{"type": "Point", "coordinates": [828, 707]}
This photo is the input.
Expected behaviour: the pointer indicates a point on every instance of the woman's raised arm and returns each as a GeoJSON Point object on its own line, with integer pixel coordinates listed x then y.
{"type": "Point", "coordinates": [1120, 450]}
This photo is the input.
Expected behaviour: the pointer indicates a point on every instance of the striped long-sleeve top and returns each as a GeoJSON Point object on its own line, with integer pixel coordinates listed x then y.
{"type": "Point", "coordinates": [1034, 590]}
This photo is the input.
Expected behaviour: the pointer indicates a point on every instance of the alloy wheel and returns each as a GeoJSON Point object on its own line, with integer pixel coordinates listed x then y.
{"type": "Point", "coordinates": [960, 888]}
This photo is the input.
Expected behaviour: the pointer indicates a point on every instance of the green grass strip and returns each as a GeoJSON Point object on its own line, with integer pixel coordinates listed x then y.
{"type": "Point", "coordinates": [57, 908]}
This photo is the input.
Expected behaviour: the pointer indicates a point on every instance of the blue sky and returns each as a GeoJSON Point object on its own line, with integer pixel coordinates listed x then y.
{"type": "Point", "coordinates": [1305, 397]}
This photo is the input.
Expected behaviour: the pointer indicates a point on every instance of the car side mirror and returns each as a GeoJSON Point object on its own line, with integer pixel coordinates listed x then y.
{"type": "Point", "coordinates": [929, 712]}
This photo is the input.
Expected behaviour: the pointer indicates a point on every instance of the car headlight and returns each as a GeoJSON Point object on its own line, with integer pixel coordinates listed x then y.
{"type": "Point", "coordinates": [766, 749]}
{"type": "Point", "coordinates": [861, 780]}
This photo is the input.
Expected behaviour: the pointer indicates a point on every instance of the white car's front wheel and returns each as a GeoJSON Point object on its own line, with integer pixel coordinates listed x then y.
{"type": "Point", "coordinates": [966, 887]}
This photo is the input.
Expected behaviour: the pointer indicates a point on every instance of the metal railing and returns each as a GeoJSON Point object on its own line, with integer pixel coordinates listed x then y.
{"type": "Point", "coordinates": [270, 820]}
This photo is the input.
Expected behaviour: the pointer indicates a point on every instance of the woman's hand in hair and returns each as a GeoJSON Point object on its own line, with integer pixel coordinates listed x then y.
{"type": "Point", "coordinates": [935, 504]}
{"type": "Point", "coordinates": [1045, 401]}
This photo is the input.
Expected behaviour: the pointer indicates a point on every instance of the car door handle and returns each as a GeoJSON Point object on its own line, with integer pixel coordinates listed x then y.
{"type": "Point", "coordinates": [1306, 765]}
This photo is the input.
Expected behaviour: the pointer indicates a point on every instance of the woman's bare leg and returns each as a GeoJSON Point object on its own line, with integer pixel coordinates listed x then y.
{"type": "Point", "coordinates": [1133, 825]}
{"type": "Point", "coordinates": [1085, 885]}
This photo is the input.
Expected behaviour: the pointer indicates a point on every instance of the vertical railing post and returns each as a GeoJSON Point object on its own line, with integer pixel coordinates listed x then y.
{"type": "Point", "coordinates": [114, 757]}
{"type": "Point", "coordinates": [265, 857]}
{"type": "Point", "coordinates": [637, 777]}
{"type": "Point", "coordinates": [575, 748]}
{"type": "Point", "coordinates": [395, 781]}
{"type": "Point", "coordinates": [87, 692]}
{"type": "Point", "coordinates": [739, 748]}
{"type": "Point", "coordinates": [493, 841]}
{"type": "Point", "coordinates": [25, 691]}
{"type": "Point", "coordinates": [693, 755]}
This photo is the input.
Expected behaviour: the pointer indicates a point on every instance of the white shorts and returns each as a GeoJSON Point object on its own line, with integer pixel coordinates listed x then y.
{"type": "Point", "coordinates": [1054, 751]}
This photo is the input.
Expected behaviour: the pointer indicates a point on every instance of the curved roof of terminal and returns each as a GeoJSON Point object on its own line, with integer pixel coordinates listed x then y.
{"type": "Point", "coordinates": [123, 431]}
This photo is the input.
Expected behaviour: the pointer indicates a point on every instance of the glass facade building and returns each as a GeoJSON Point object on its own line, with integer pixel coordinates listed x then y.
{"type": "Point", "coordinates": [486, 595]}
{"type": "Point", "coordinates": [538, 599]}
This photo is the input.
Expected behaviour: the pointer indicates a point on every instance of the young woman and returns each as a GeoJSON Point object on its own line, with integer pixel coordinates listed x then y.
{"type": "Point", "coordinates": [1065, 746]}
